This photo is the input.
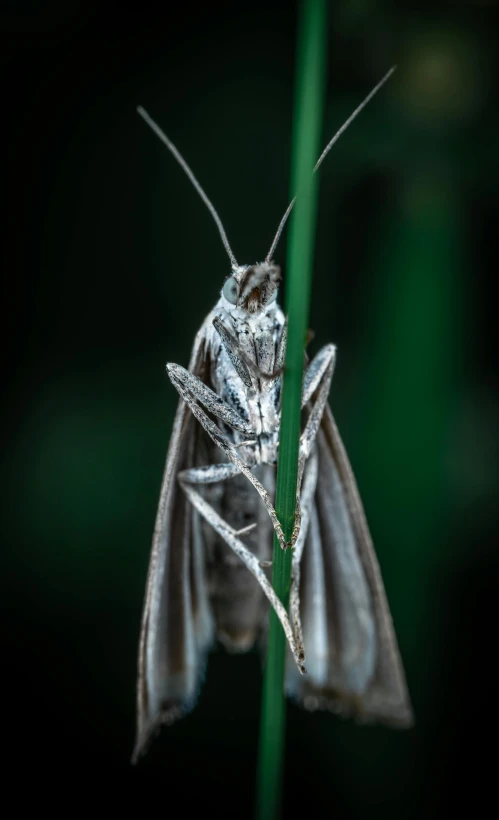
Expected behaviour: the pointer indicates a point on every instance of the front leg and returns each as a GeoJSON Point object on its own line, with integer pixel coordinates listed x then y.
{"type": "Point", "coordinates": [241, 361]}
{"type": "Point", "coordinates": [211, 400]}
{"type": "Point", "coordinates": [319, 375]}
{"type": "Point", "coordinates": [227, 447]}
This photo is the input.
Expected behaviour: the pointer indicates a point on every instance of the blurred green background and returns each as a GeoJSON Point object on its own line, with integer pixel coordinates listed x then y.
{"type": "Point", "coordinates": [112, 262]}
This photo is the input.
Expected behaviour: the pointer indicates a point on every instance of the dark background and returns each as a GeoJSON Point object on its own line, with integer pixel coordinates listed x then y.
{"type": "Point", "coordinates": [111, 263]}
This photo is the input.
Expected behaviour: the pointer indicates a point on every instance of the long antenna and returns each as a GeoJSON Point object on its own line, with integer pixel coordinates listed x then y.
{"type": "Point", "coordinates": [181, 161]}
{"type": "Point", "coordinates": [324, 155]}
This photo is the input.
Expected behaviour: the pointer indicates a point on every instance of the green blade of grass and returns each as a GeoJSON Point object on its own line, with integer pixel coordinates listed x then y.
{"type": "Point", "coordinates": [309, 92]}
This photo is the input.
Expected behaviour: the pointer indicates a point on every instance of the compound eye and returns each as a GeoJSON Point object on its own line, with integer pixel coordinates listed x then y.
{"type": "Point", "coordinates": [273, 297]}
{"type": "Point", "coordinates": [230, 291]}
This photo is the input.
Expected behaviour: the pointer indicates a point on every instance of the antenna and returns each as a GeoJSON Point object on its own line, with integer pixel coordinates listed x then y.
{"type": "Point", "coordinates": [324, 155]}
{"type": "Point", "coordinates": [181, 161]}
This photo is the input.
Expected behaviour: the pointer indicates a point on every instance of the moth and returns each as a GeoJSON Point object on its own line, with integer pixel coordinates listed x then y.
{"type": "Point", "coordinates": [212, 547]}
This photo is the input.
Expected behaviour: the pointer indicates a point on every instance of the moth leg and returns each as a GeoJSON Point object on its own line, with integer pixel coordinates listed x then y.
{"type": "Point", "coordinates": [209, 398]}
{"type": "Point", "coordinates": [210, 475]}
{"type": "Point", "coordinates": [251, 562]}
{"type": "Point", "coordinates": [281, 347]}
{"type": "Point", "coordinates": [319, 375]}
{"type": "Point", "coordinates": [228, 449]}
{"type": "Point", "coordinates": [241, 361]}
{"type": "Point", "coordinates": [307, 503]}
{"type": "Point", "coordinates": [315, 372]}
{"type": "Point", "coordinates": [322, 375]}
{"type": "Point", "coordinates": [232, 348]}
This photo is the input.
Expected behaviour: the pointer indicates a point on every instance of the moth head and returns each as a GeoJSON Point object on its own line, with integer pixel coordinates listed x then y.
{"type": "Point", "coordinates": [253, 288]}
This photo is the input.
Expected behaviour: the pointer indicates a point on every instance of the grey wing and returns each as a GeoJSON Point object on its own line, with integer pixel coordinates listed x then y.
{"type": "Point", "coordinates": [177, 623]}
{"type": "Point", "coordinates": [351, 651]}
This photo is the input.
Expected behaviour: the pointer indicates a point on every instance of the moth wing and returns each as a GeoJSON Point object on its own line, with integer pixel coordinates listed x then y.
{"type": "Point", "coordinates": [351, 653]}
{"type": "Point", "coordinates": [177, 624]}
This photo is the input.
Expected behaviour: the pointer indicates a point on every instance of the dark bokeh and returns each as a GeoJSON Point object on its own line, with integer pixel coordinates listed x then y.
{"type": "Point", "coordinates": [111, 263]}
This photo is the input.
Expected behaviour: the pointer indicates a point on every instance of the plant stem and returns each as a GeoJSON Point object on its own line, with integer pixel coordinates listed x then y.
{"type": "Point", "coordinates": [309, 92]}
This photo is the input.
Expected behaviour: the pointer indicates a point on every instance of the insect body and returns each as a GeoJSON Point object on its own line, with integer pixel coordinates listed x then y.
{"type": "Point", "coordinates": [208, 574]}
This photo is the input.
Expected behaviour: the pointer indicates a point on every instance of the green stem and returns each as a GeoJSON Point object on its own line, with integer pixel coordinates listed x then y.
{"type": "Point", "coordinates": [309, 92]}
